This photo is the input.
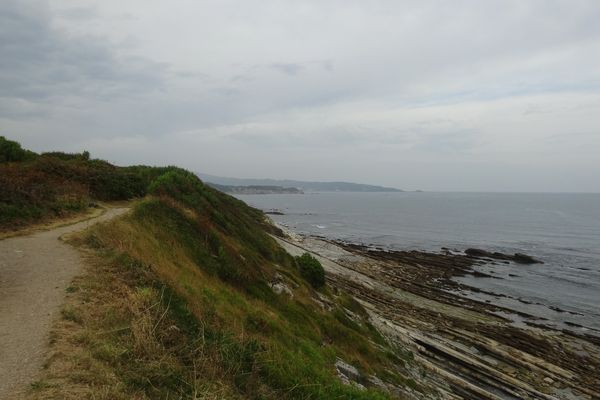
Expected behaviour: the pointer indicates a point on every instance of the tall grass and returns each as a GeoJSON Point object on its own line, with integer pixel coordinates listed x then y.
{"type": "Point", "coordinates": [179, 304]}
{"type": "Point", "coordinates": [201, 318]}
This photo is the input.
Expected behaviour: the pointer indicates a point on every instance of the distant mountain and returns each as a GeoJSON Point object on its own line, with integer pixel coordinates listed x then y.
{"type": "Point", "coordinates": [255, 189]}
{"type": "Point", "coordinates": [302, 185]}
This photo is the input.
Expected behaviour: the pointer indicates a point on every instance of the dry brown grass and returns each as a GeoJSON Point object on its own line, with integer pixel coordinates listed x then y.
{"type": "Point", "coordinates": [150, 319]}
{"type": "Point", "coordinates": [107, 317]}
{"type": "Point", "coordinates": [71, 370]}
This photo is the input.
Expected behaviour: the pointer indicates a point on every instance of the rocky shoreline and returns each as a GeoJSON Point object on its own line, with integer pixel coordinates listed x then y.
{"type": "Point", "coordinates": [462, 348]}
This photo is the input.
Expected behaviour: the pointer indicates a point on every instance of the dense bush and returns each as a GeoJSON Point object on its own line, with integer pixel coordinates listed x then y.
{"type": "Point", "coordinates": [12, 151]}
{"type": "Point", "coordinates": [34, 187]}
{"type": "Point", "coordinates": [311, 269]}
{"type": "Point", "coordinates": [68, 156]}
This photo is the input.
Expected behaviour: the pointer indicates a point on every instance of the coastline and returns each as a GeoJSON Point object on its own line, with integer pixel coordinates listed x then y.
{"type": "Point", "coordinates": [473, 348]}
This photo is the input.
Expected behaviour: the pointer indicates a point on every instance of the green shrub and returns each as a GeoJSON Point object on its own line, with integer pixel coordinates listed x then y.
{"type": "Point", "coordinates": [311, 269]}
{"type": "Point", "coordinates": [61, 155]}
{"type": "Point", "coordinates": [12, 151]}
{"type": "Point", "coordinates": [34, 187]}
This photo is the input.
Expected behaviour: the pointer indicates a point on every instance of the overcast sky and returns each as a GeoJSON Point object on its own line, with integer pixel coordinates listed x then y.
{"type": "Point", "coordinates": [435, 95]}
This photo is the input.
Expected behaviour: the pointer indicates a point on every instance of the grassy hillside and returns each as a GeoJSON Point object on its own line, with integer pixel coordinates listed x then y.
{"type": "Point", "coordinates": [38, 187]}
{"type": "Point", "coordinates": [190, 298]}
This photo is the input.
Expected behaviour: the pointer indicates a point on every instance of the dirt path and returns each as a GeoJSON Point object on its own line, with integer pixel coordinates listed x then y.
{"type": "Point", "coordinates": [35, 271]}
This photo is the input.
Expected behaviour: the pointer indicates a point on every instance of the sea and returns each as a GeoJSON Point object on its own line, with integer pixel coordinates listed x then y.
{"type": "Point", "coordinates": [562, 230]}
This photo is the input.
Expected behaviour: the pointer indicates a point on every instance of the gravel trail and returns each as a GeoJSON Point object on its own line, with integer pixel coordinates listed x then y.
{"type": "Point", "coordinates": [35, 271]}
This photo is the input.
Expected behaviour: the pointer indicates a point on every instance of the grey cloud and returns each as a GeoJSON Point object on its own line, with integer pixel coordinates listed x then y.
{"type": "Point", "coordinates": [40, 63]}
{"type": "Point", "coordinates": [242, 78]}
{"type": "Point", "coordinates": [226, 91]}
{"type": "Point", "coordinates": [293, 69]}
{"type": "Point", "coordinates": [79, 13]}
{"type": "Point", "coordinates": [327, 65]}
{"type": "Point", "coordinates": [319, 84]}
{"type": "Point", "coordinates": [290, 69]}
{"type": "Point", "coordinates": [191, 75]}
{"type": "Point", "coordinates": [456, 142]}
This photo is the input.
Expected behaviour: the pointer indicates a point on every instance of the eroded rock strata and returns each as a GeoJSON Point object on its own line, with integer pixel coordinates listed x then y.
{"type": "Point", "coordinates": [459, 348]}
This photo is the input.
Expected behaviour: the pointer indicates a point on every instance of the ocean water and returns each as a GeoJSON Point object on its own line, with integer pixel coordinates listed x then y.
{"type": "Point", "coordinates": [563, 230]}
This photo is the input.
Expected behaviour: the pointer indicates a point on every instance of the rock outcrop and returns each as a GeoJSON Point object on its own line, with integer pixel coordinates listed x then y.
{"type": "Point", "coordinates": [518, 258]}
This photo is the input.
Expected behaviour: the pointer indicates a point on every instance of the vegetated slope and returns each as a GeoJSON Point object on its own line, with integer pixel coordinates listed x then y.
{"type": "Point", "coordinates": [189, 296]}
{"type": "Point", "coordinates": [204, 259]}
{"type": "Point", "coordinates": [37, 187]}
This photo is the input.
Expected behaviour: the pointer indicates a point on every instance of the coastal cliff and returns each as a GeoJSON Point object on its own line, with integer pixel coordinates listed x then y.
{"type": "Point", "coordinates": [194, 294]}
{"type": "Point", "coordinates": [188, 295]}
